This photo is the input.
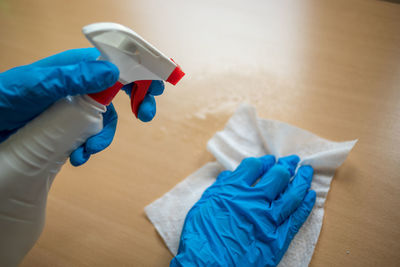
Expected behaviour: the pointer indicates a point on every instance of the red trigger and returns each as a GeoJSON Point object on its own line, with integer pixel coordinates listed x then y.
{"type": "Point", "coordinates": [139, 91]}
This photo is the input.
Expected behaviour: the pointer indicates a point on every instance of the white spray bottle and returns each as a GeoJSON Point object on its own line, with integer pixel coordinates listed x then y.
{"type": "Point", "coordinates": [30, 159]}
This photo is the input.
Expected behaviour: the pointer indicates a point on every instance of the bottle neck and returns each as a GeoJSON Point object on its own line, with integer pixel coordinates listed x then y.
{"type": "Point", "coordinates": [105, 97]}
{"type": "Point", "coordinates": [90, 104]}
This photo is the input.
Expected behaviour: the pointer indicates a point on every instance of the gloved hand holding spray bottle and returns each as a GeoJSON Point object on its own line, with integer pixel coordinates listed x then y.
{"type": "Point", "coordinates": [30, 158]}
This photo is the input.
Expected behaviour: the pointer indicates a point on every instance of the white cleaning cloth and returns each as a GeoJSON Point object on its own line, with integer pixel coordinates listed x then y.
{"type": "Point", "coordinates": [246, 135]}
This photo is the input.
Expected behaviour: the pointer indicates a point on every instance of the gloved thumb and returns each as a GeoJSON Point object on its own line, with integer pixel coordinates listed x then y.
{"type": "Point", "coordinates": [82, 78]}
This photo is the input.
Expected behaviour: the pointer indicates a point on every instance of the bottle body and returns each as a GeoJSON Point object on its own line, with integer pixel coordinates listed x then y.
{"type": "Point", "coordinates": [29, 161]}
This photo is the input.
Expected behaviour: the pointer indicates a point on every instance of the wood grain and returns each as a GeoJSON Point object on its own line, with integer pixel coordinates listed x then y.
{"type": "Point", "coordinates": [332, 67]}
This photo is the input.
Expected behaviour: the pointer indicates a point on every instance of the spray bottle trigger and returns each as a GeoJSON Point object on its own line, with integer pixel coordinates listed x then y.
{"type": "Point", "coordinates": [139, 91]}
{"type": "Point", "coordinates": [105, 97]}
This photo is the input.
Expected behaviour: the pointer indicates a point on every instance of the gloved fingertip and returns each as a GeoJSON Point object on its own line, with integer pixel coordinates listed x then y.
{"type": "Point", "coordinates": [147, 109]}
{"type": "Point", "coordinates": [111, 73]}
{"type": "Point", "coordinates": [92, 53]}
{"type": "Point", "coordinates": [156, 87]}
{"type": "Point", "coordinates": [301, 214]}
{"type": "Point", "coordinates": [290, 162]}
{"type": "Point", "coordinates": [310, 198]}
{"type": "Point", "coordinates": [110, 117]}
{"type": "Point", "coordinates": [128, 89]}
{"type": "Point", "coordinates": [99, 75]}
{"type": "Point", "coordinates": [78, 157]}
{"type": "Point", "coordinates": [306, 172]}
{"type": "Point", "coordinates": [103, 139]}
{"type": "Point", "coordinates": [268, 161]}
{"type": "Point", "coordinates": [250, 163]}
{"type": "Point", "coordinates": [95, 144]}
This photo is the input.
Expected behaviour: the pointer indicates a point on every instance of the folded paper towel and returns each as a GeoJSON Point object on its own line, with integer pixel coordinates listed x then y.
{"type": "Point", "coordinates": [246, 135]}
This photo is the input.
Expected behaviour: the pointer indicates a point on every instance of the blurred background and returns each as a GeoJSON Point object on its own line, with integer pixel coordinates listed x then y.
{"type": "Point", "coordinates": [331, 67]}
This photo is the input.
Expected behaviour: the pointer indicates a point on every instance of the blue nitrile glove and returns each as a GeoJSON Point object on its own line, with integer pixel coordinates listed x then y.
{"type": "Point", "coordinates": [27, 91]}
{"type": "Point", "coordinates": [241, 222]}
{"type": "Point", "coordinates": [147, 109]}
{"type": "Point", "coordinates": [146, 112]}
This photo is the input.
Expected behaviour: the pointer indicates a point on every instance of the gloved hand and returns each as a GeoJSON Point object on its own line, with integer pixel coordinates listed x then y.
{"type": "Point", "coordinates": [27, 91]}
{"type": "Point", "coordinates": [241, 222]}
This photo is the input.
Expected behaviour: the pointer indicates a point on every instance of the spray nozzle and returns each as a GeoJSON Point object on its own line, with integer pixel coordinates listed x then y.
{"type": "Point", "coordinates": [137, 60]}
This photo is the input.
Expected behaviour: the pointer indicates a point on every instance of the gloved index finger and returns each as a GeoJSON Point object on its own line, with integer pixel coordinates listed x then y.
{"type": "Point", "coordinates": [83, 78]}
{"type": "Point", "coordinates": [103, 139]}
{"type": "Point", "coordinates": [156, 88]}
{"type": "Point", "coordinates": [250, 169]}
{"type": "Point", "coordinates": [274, 182]}
{"type": "Point", "coordinates": [69, 57]}
{"type": "Point", "coordinates": [294, 194]}
{"type": "Point", "coordinates": [147, 109]}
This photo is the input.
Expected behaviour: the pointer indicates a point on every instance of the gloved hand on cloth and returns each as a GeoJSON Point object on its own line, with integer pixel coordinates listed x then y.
{"type": "Point", "coordinates": [248, 217]}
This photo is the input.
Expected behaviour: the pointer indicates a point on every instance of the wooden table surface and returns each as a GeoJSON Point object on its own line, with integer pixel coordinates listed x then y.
{"type": "Point", "coordinates": [331, 67]}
